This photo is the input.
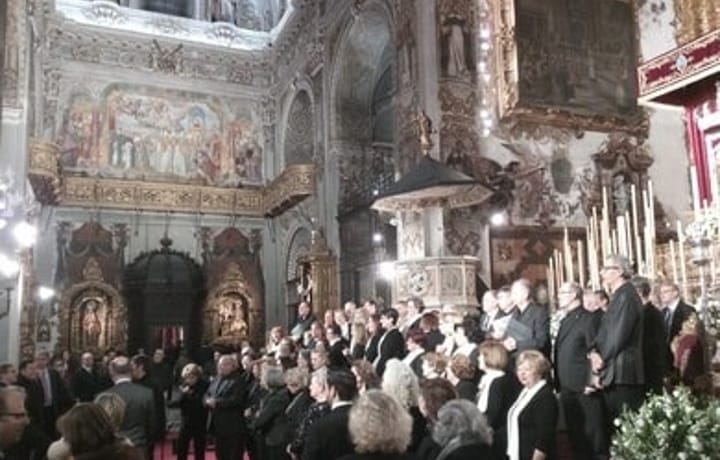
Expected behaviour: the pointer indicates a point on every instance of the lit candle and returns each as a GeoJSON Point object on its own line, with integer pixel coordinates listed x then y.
{"type": "Point", "coordinates": [673, 262]}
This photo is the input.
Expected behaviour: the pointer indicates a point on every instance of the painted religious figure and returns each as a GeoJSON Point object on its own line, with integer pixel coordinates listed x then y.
{"type": "Point", "coordinates": [91, 324]}
{"type": "Point", "coordinates": [231, 312]}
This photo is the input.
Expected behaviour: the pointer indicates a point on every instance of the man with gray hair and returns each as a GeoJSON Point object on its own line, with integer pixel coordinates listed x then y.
{"type": "Point", "coordinates": [13, 417]}
{"type": "Point", "coordinates": [140, 420]}
{"type": "Point", "coordinates": [225, 398]}
{"type": "Point", "coordinates": [575, 336]}
{"type": "Point", "coordinates": [462, 431]}
{"type": "Point", "coordinates": [616, 356]}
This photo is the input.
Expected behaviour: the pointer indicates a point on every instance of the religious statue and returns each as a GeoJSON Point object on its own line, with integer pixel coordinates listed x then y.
{"type": "Point", "coordinates": [305, 284]}
{"type": "Point", "coordinates": [424, 127]}
{"type": "Point", "coordinates": [91, 325]}
{"type": "Point", "coordinates": [455, 47]}
{"type": "Point", "coordinates": [621, 197]}
{"type": "Point", "coordinates": [230, 313]}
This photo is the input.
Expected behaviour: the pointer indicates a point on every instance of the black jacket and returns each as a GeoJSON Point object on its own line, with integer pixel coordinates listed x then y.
{"type": "Point", "coordinates": [371, 349]}
{"type": "Point", "coordinates": [193, 412]}
{"type": "Point", "coordinates": [391, 346]}
{"type": "Point", "coordinates": [535, 318]}
{"type": "Point", "coordinates": [85, 385]}
{"type": "Point", "coordinates": [271, 420]}
{"type": "Point", "coordinates": [159, 399]}
{"type": "Point", "coordinates": [655, 348]}
{"type": "Point", "coordinates": [574, 340]}
{"type": "Point", "coordinates": [619, 339]}
{"type": "Point", "coordinates": [538, 423]}
{"type": "Point", "coordinates": [329, 437]}
{"type": "Point", "coordinates": [227, 415]}
{"type": "Point", "coordinates": [681, 313]}
{"type": "Point", "coordinates": [296, 411]}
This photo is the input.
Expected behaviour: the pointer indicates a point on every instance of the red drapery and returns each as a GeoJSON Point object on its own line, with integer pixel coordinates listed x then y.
{"type": "Point", "coordinates": [695, 108]}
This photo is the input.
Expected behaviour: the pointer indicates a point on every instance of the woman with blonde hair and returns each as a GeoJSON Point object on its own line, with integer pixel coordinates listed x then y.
{"type": "Point", "coordinates": [379, 428]}
{"type": "Point", "coordinates": [87, 429]}
{"type": "Point", "coordinates": [400, 382]}
{"type": "Point", "coordinates": [114, 407]}
{"type": "Point", "coordinates": [193, 412]}
{"type": "Point", "coordinates": [358, 341]}
{"type": "Point", "coordinates": [532, 419]}
{"type": "Point", "coordinates": [434, 365]}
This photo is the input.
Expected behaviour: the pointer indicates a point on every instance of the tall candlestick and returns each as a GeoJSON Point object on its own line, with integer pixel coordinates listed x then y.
{"type": "Point", "coordinates": [673, 262]}
{"type": "Point", "coordinates": [636, 228]}
{"type": "Point", "coordinates": [605, 226]}
{"type": "Point", "coordinates": [581, 263]}
{"type": "Point", "coordinates": [681, 253]}
{"type": "Point", "coordinates": [695, 190]}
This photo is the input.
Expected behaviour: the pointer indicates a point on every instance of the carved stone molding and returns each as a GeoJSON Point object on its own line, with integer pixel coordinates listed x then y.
{"type": "Point", "coordinates": [439, 281]}
{"type": "Point", "coordinates": [44, 171]}
{"type": "Point", "coordinates": [294, 184]}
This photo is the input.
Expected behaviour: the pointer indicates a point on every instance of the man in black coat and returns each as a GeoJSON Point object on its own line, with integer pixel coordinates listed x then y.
{"type": "Point", "coordinates": [674, 310]}
{"type": "Point", "coordinates": [56, 396]}
{"type": "Point", "coordinates": [85, 382]}
{"type": "Point", "coordinates": [616, 355]}
{"type": "Point", "coordinates": [329, 437]}
{"type": "Point", "coordinates": [391, 344]}
{"type": "Point", "coordinates": [140, 365]}
{"type": "Point", "coordinates": [655, 345]}
{"type": "Point", "coordinates": [584, 415]}
{"type": "Point", "coordinates": [337, 346]}
{"type": "Point", "coordinates": [529, 327]}
{"type": "Point", "coordinates": [225, 398]}
{"type": "Point", "coordinates": [139, 424]}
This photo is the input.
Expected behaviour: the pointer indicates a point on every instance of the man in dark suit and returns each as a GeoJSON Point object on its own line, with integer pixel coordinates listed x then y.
{"type": "Point", "coordinates": [529, 327]}
{"type": "Point", "coordinates": [85, 382]}
{"type": "Point", "coordinates": [161, 371]}
{"type": "Point", "coordinates": [337, 346]}
{"type": "Point", "coordinates": [139, 365]}
{"type": "Point", "coordinates": [302, 323]}
{"type": "Point", "coordinates": [56, 397]}
{"type": "Point", "coordinates": [674, 310]}
{"type": "Point", "coordinates": [616, 355]}
{"type": "Point", "coordinates": [140, 421]}
{"type": "Point", "coordinates": [391, 344]}
{"type": "Point", "coordinates": [13, 419]}
{"type": "Point", "coordinates": [585, 423]}
{"type": "Point", "coordinates": [225, 398]}
{"type": "Point", "coordinates": [656, 352]}
{"type": "Point", "coordinates": [329, 437]}
{"type": "Point", "coordinates": [34, 437]}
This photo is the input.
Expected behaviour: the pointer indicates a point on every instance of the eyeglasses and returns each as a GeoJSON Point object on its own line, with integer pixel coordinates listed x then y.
{"type": "Point", "coordinates": [16, 415]}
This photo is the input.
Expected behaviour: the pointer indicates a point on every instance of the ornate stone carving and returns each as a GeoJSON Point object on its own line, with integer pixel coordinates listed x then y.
{"type": "Point", "coordinates": [105, 13]}
{"type": "Point", "coordinates": [44, 171]}
{"type": "Point", "coordinates": [695, 18]}
{"type": "Point", "coordinates": [13, 66]}
{"type": "Point", "coordinates": [167, 60]}
{"type": "Point", "coordinates": [439, 280]}
{"type": "Point", "coordinates": [294, 184]}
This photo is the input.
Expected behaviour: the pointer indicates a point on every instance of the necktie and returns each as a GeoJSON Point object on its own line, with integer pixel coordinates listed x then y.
{"type": "Point", "coordinates": [668, 320]}
{"type": "Point", "coordinates": [47, 390]}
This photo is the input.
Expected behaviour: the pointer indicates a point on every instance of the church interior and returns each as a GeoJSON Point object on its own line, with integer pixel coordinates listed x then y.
{"type": "Point", "coordinates": [189, 171]}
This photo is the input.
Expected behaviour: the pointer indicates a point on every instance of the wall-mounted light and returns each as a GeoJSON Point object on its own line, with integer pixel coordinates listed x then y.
{"type": "Point", "coordinates": [387, 270]}
{"type": "Point", "coordinates": [45, 293]}
{"type": "Point", "coordinates": [377, 237]}
{"type": "Point", "coordinates": [25, 234]}
{"type": "Point", "coordinates": [8, 266]}
{"type": "Point", "coordinates": [498, 219]}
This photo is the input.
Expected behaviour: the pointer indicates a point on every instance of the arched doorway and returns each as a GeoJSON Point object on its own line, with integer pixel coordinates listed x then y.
{"type": "Point", "coordinates": [164, 291]}
{"type": "Point", "coordinates": [362, 131]}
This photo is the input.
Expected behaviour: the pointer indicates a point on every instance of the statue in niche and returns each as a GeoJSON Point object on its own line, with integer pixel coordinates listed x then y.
{"type": "Point", "coordinates": [231, 312]}
{"type": "Point", "coordinates": [456, 34]}
{"type": "Point", "coordinates": [305, 284]}
{"type": "Point", "coordinates": [91, 324]}
{"type": "Point", "coordinates": [43, 330]}
{"type": "Point", "coordinates": [620, 194]}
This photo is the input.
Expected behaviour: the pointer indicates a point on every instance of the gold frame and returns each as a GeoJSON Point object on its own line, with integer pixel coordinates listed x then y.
{"type": "Point", "coordinates": [508, 95]}
{"type": "Point", "coordinates": [51, 187]}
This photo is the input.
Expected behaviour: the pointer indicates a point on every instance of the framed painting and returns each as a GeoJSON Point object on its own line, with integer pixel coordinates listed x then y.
{"type": "Point", "coordinates": [570, 63]}
{"type": "Point", "coordinates": [523, 252]}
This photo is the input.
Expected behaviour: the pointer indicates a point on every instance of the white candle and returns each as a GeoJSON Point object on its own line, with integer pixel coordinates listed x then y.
{"type": "Point", "coordinates": [673, 262]}
{"type": "Point", "coordinates": [681, 253]}
{"type": "Point", "coordinates": [581, 263]}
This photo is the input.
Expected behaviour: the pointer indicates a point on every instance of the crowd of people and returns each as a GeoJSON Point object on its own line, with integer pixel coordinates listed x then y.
{"type": "Point", "coordinates": [372, 382]}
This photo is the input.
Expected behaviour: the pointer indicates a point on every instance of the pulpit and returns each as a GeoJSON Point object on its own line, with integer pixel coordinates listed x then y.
{"type": "Point", "coordinates": [320, 276]}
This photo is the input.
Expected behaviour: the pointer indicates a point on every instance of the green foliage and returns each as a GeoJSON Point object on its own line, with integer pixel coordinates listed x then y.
{"type": "Point", "coordinates": [673, 425]}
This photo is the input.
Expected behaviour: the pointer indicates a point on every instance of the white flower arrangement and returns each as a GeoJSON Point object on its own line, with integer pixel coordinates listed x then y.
{"type": "Point", "coordinates": [704, 228]}
{"type": "Point", "coordinates": [672, 425]}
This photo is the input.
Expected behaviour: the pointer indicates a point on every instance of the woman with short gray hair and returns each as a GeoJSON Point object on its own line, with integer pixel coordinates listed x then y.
{"type": "Point", "coordinates": [462, 432]}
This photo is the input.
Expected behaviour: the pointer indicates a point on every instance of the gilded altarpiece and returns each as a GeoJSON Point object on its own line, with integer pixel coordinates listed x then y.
{"type": "Point", "coordinates": [93, 315]}
{"type": "Point", "coordinates": [234, 309]}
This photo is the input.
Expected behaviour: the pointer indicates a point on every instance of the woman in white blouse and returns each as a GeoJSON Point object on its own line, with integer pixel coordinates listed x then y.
{"type": "Point", "coordinates": [532, 419]}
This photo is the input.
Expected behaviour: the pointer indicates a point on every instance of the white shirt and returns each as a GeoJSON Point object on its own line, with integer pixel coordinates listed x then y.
{"type": "Point", "coordinates": [410, 357]}
{"type": "Point", "coordinates": [122, 380]}
{"type": "Point", "coordinates": [486, 381]}
{"type": "Point", "coordinates": [513, 428]}
{"type": "Point", "coordinates": [337, 404]}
